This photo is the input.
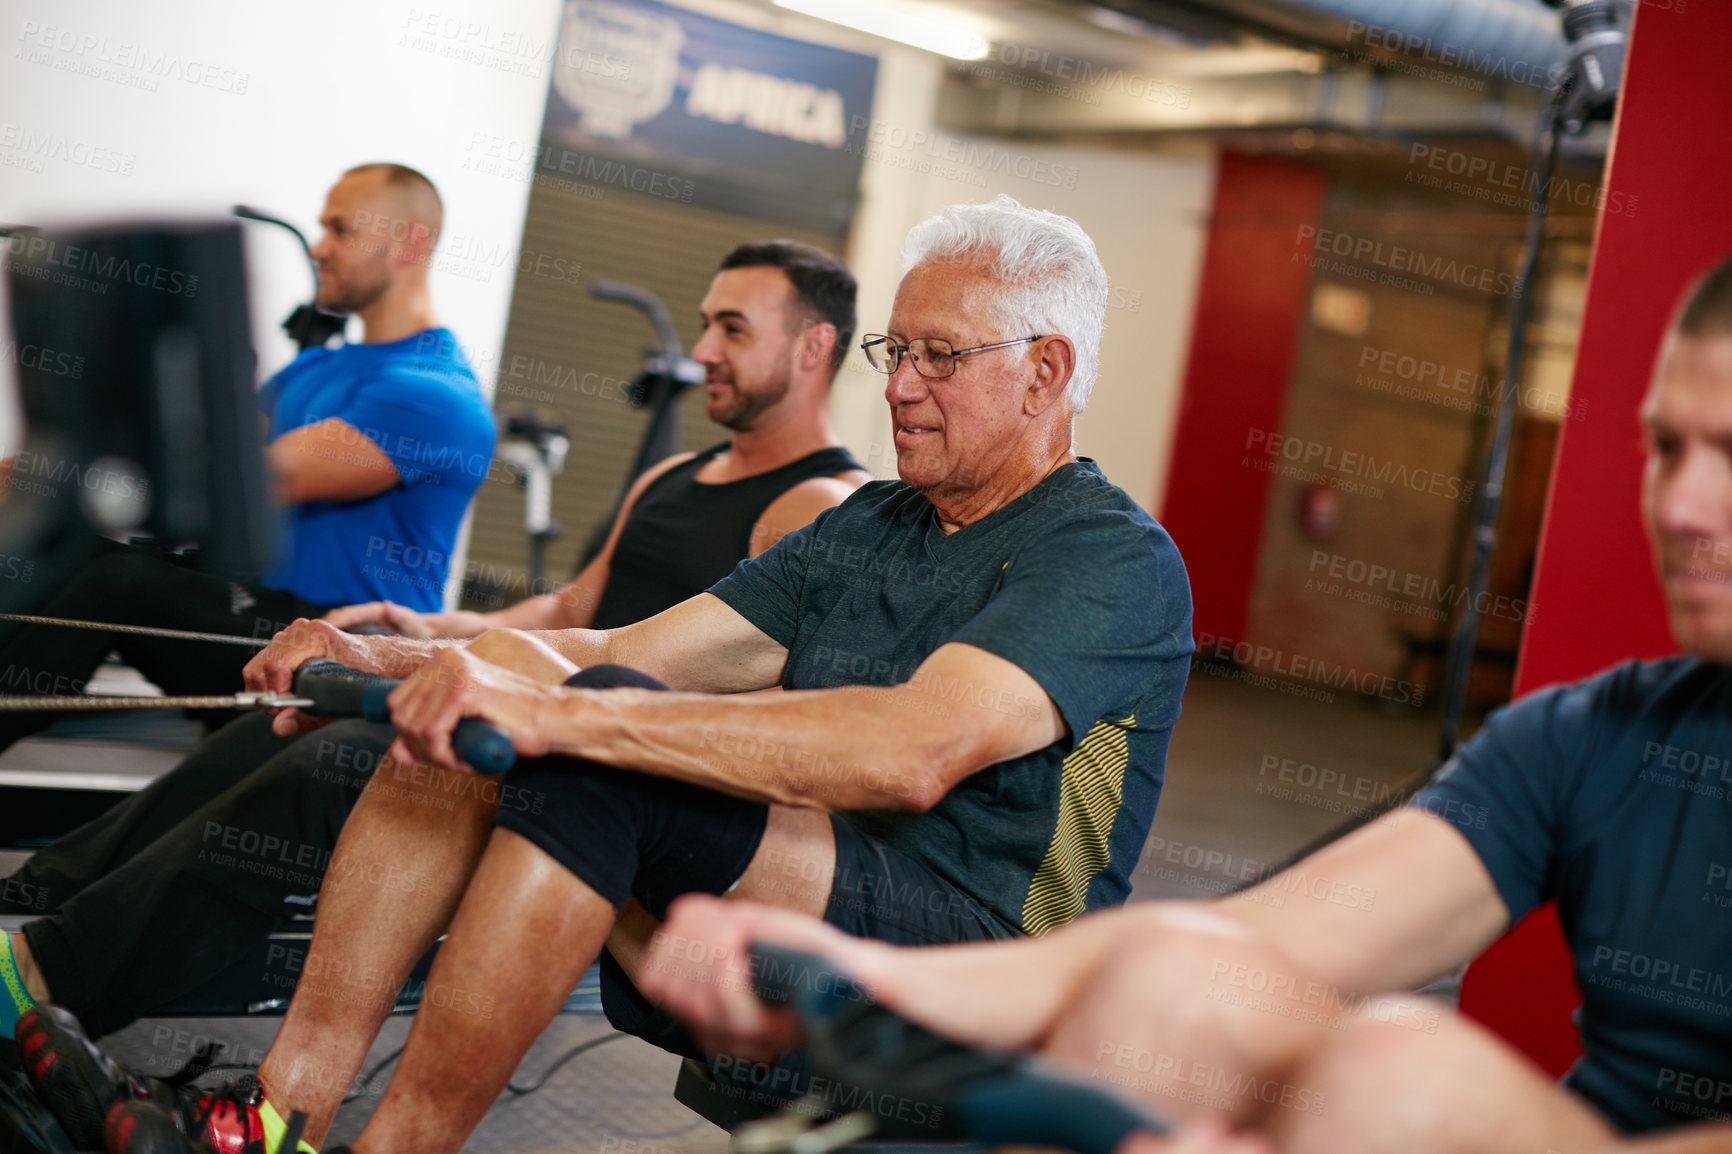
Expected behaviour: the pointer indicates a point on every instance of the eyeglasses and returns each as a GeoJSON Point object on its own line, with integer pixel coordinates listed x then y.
{"type": "Point", "coordinates": [933, 358]}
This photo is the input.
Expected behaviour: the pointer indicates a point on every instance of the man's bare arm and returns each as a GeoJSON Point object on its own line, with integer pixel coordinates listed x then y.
{"type": "Point", "coordinates": [1432, 907]}
{"type": "Point", "coordinates": [1390, 907]}
{"type": "Point", "coordinates": [855, 747]}
{"type": "Point", "coordinates": [799, 506]}
{"type": "Point", "coordinates": [1003, 994]}
{"type": "Point", "coordinates": [700, 645]}
{"type": "Point", "coordinates": [272, 669]}
{"type": "Point", "coordinates": [329, 460]}
{"type": "Point", "coordinates": [524, 655]}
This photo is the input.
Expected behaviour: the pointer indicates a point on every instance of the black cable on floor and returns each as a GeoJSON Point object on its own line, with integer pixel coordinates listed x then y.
{"type": "Point", "coordinates": [513, 1088]}
{"type": "Point", "coordinates": [581, 1047]}
{"type": "Point", "coordinates": [367, 1078]}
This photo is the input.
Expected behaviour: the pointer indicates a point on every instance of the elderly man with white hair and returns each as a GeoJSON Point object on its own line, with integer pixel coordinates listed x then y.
{"type": "Point", "coordinates": [982, 665]}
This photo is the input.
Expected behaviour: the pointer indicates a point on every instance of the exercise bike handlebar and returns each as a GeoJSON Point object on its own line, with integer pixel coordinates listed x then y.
{"type": "Point", "coordinates": [672, 360]}
{"type": "Point", "coordinates": [248, 212]}
{"type": "Point", "coordinates": [636, 295]}
{"type": "Point", "coordinates": [309, 325]}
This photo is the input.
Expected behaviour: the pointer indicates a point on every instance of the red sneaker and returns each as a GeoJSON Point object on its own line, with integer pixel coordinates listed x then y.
{"type": "Point", "coordinates": [75, 1080]}
{"type": "Point", "coordinates": [226, 1120]}
{"type": "Point", "coordinates": [103, 1105]}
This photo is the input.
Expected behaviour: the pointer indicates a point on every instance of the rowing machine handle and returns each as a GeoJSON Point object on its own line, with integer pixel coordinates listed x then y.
{"type": "Point", "coordinates": [806, 983]}
{"type": "Point", "coordinates": [1037, 1107]}
{"type": "Point", "coordinates": [999, 1098]}
{"type": "Point", "coordinates": [338, 691]}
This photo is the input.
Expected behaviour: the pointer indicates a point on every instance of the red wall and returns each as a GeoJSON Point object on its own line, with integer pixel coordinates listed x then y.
{"type": "Point", "coordinates": [1250, 303]}
{"type": "Point", "coordinates": [1595, 599]}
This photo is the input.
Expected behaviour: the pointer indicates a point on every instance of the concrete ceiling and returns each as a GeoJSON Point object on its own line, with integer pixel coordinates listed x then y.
{"type": "Point", "coordinates": [1268, 74]}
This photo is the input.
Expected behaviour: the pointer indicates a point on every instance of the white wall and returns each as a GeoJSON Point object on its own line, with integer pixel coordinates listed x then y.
{"type": "Point", "coordinates": [292, 96]}
{"type": "Point", "coordinates": [119, 108]}
{"type": "Point", "coordinates": [266, 105]}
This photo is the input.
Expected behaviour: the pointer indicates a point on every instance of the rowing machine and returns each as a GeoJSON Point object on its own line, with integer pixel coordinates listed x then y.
{"type": "Point", "coordinates": [321, 689]}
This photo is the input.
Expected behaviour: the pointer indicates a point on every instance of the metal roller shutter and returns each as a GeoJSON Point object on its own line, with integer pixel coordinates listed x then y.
{"type": "Point", "coordinates": [569, 356]}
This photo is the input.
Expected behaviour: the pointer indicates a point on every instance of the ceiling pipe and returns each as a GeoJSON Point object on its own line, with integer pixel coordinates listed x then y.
{"type": "Point", "coordinates": [1489, 37]}
{"type": "Point", "coordinates": [1515, 39]}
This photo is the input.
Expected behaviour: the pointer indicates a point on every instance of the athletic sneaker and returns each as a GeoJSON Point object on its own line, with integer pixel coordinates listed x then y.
{"type": "Point", "coordinates": [137, 1125]}
{"type": "Point", "coordinates": [233, 1119]}
{"type": "Point", "coordinates": [75, 1080]}
{"type": "Point", "coordinates": [26, 1126]}
{"type": "Point", "coordinates": [87, 1090]}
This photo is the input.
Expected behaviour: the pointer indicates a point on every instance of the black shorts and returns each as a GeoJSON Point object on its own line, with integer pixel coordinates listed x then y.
{"type": "Point", "coordinates": [878, 892]}
{"type": "Point", "coordinates": [632, 835]}
{"type": "Point", "coordinates": [627, 834]}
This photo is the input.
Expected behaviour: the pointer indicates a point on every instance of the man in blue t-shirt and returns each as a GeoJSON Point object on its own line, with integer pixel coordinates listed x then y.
{"type": "Point", "coordinates": [378, 446]}
{"type": "Point", "coordinates": [982, 664]}
{"type": "Point", "coordinates": [375, 447]}
{"type": "Point", "coordinates": [1274, 1011]}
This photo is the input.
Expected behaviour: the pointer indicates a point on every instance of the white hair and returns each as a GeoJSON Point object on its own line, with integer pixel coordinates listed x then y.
{"type": "Point", "coordinates": [1054, 280]}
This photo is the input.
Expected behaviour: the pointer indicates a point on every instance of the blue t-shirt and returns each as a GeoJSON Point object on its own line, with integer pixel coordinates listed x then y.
{"type": "Point", "coordinates": [418, 400]}
{"type": "Point", "coordinates": [1073, 583]}
{"type": "Point", "coordinates": [1613, 796]}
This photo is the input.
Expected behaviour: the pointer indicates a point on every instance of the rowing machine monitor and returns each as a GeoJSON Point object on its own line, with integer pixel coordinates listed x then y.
{"type": "Point", "coordinates": [138, 400]}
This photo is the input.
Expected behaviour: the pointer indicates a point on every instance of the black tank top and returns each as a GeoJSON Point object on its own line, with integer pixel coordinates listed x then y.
{"type": "Point", "coordinates": [683, 535]}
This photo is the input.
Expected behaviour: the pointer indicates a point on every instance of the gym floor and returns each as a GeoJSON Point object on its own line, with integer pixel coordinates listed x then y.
{"type": "Point", "coordinates": [1253, 775]}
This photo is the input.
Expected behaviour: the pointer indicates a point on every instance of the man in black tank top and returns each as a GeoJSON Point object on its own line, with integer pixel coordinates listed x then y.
{"type": "Point", "coordinates": [139, 914]}
{"type": "Point", "coordinates": [685, 534]}
{"type": "Point", "coordinates": [687, 521]}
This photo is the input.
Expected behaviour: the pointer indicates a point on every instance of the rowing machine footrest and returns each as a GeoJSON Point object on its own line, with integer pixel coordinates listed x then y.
{"type": "Point", "coordinates": [697, 1090]}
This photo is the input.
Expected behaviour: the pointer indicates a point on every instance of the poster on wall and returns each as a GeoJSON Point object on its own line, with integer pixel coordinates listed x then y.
{"type": "Point", "coordinates": [670, 103]}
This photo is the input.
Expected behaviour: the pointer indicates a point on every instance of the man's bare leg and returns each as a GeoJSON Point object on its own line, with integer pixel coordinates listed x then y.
{"type": "Point", "coordinates": [398, 872]}
{"type": "Point", "coordinates": [1205, 1021]}
{"type": "Point", "coordinates": [524, 934]}
{"type": "Point", "coordinates": [794, 870]}
{"type": "Point", "coordinates": [1162, 1019]}
{"type": "Point", "coordinates": [1387, 1085]}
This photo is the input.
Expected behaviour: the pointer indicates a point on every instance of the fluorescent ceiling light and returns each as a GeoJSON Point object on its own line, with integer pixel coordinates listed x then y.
{"type": "Point", "coordinates": [1205, 62]}
{"type": "Point", "coordinates": [894, 23]}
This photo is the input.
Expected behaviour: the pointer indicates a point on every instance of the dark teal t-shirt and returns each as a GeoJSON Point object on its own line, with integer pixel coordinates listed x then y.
{"type": "Point", "coordinates": [1613, 797]}
{"type": "Point", "coordinates": [1073, 583]}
